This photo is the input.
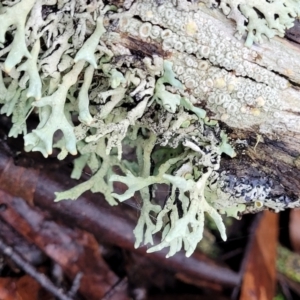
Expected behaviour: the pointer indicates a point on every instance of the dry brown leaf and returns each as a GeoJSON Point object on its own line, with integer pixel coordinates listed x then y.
{"type": "Point", "coordinates": [23, 288]}
{"type": "Point", "coordinates": [259, 280]}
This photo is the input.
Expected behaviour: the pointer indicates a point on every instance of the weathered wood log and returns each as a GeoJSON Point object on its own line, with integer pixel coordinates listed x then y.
{"type": "Point", "coordinates": [254, 93]}
{"type": "Point", "coordinates": [264, 127]}
{"type": "Point", "coordinates": [252, 90]}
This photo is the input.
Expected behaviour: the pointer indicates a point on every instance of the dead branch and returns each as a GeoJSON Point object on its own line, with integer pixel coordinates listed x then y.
{"type": "Point", "coordinates": [29, 269]}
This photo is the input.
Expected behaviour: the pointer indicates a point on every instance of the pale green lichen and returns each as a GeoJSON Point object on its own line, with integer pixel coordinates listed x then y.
{"type": "Point", "coordinates": [30, 66]}
{"type": "Point", "coordinates": [131, 121]}
{"type": "Point", "coordinates": [15, 15]}
{"type": "Point", "coordinates": [88, 49]}
{"type": "Point", "coordinates": [41, 138]}
{"type": "Point", "coordinates": [259, 18]}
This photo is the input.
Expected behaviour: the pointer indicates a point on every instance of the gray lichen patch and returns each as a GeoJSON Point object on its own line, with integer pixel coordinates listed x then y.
{"type": "Point", "coordinates": [215, 67]}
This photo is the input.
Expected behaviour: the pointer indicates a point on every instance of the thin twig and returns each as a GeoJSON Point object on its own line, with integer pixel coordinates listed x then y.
{"type": "Point", "coordinates": [75, 285]}
{"type": "Point", "coordinates": [29, 269]}
{"type": "Point", "coordinates": [115, 288]}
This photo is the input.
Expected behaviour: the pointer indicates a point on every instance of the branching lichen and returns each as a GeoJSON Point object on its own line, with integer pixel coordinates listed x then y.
{"type": "Point", "coordinates": [63, 61]}
{"type": "Point", "coordinates": [259, 18]}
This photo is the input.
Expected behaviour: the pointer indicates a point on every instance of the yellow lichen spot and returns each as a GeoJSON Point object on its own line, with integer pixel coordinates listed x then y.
{"type": "Point", "coordinates": [224, 117]}
{"type": "Point", "coordinates": [219, 83]}
{"type": "Point", "coordinates": [258, 204]}
{"type": "Point", "coordinates": [230, 88]}
{"type": "Point", "coordinates": [231, 85]}
{"type": "Point", "coordinates": [149, 14]}
{"type": "Point", "coordinates": [243, 109]}
{"type": "Point", "coordinates": [289, 72]}
{"type": "Point", "coordinates": [191, 28]}
{"type": "Point", "coordinates": [255, 112]}
{"type": "Point", "coordinates": [260, 101]}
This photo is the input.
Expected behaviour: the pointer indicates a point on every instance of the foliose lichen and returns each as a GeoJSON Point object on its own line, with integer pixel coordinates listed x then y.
{"type": "Point", "coordinates": [259, 18]}
{"type": "Point", "coordinates": [63, 61]}
{"type": "Point", "coordinates": [255, 18]}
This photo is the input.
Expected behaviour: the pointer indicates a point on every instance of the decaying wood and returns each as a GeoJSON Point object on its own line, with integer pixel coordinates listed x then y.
{"type": "Point", "coordinates": [273, 145]}
{"type": "Point", "coordinates": [39, 277]}
{"type": "Point", "coordinates": [269, 157]}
